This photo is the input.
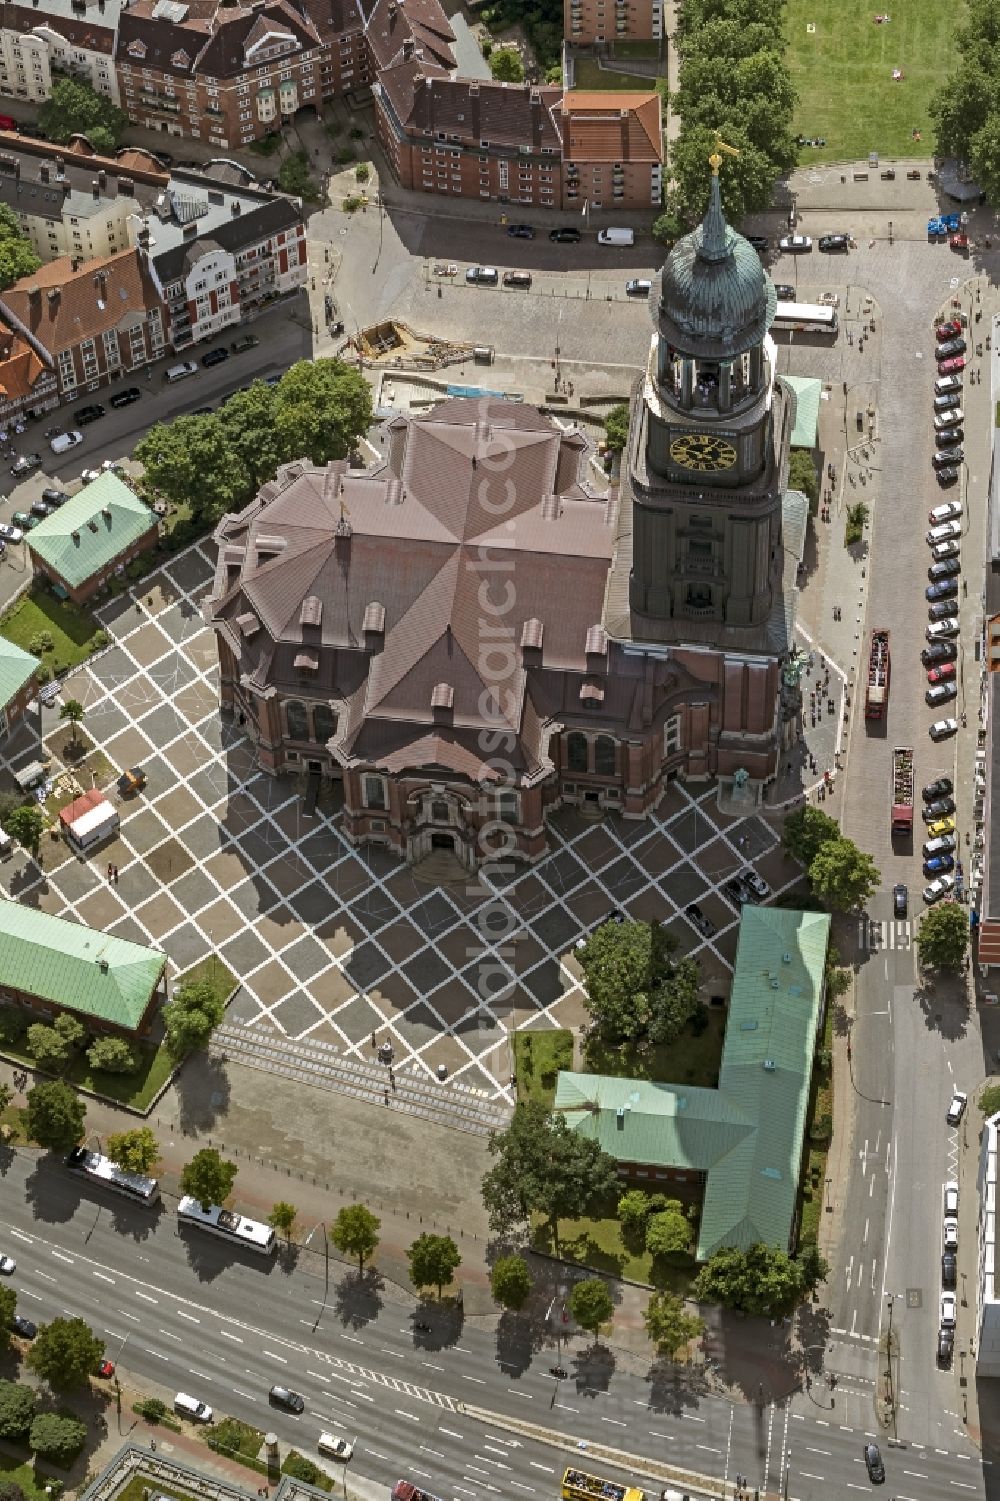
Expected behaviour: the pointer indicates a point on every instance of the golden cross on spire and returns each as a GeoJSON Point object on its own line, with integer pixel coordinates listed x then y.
{"type": "Point", "coordinates": [715, 160]}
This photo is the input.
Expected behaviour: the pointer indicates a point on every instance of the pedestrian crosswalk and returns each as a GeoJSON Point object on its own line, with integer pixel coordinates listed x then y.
{"type": "Point", "coordinates": [874, 935]}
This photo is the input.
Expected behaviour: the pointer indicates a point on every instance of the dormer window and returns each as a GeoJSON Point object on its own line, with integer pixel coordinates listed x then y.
{"type": "Point", "coordinates": [180, 59]}
{"type": "Point", "coordinates": [137, 49]}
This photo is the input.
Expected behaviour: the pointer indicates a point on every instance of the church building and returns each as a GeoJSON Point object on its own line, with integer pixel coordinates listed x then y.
{"type": "Point", "coordinates": [471, 635]}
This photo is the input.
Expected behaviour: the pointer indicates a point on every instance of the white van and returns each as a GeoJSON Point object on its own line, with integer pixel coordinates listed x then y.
{"type": "Point", "coordinates": [616, 237]}
{"type": "Point", "coordinates": [180, 372]}
{"type": "Point", "coordinates": [190, 1407]}
{"type": "Point", "coordinates": [335, 1448]}
{"type": "Point", "coordinates": [63, 441]}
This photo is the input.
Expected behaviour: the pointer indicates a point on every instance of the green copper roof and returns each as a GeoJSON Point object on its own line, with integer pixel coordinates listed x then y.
{"type": "Point", "coordinates": [808, 393]}
{"type": "Point", "coordinates": [716, 301]}
{"type": "Point", "coordinates": [745, 1136]}
{"type": "Point", "coordinates": [77, 968]}
{"type": "Point", "coordinates": [91, 529]}
{"type": "Point", "coordinates": [16, 667]}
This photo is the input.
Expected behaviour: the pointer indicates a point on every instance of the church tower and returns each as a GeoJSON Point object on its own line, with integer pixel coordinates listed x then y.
{"type": "Point", "coordinates": [708, 456]}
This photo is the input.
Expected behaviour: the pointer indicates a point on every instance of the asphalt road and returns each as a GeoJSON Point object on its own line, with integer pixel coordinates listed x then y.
{"type": "Point", "coordinates": [184, 1313]}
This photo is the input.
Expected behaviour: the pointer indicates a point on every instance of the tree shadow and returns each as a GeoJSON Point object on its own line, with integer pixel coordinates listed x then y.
{"type": "Point", "coordinates": [288, 1256]}
{"type": "Point", "coordinates": [444, 1320]}
{"type": "Point", "coordinates": [672, 1388]}
{"type": "Point", "coordinates": [593, 1369]}
{"type": "Point", "coordinates": [358, 1298]}
{"type": "Point", "coordinates": [203, 1090]}
{"type": "Point", "coordinates": [517, 1338]}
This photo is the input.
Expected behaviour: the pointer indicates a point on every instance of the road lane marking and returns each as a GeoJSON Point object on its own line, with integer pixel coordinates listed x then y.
{"type": "Point", "coordinates": [167, 1335]}
{"type": "Point", "coordinates": [200, 1374]}
{"type": "Point", "coordinates": [20, 1235]}
{"type": "Point", "coordinates": [46, 1276]}
{"type": "Point", "coordinates": [234, 1337]}
{"type": "Point", "coordinates": [23, 1292]}
{"type": "Point", "coordinates": [691, 1417]}
{"type": "Point", "coordinates": [492, 1450]}
{"type": "Point", "coordinates": [564, 1407]}
{"type": "Point", "coordinates": [709, 1448]}
{"type": "Point", "coordinates": [452, 1434]}
{"type": "Point", "coordinates": [617, 1422]}
{"type": "Point", "coordinates": [827, 1452]}
{"type": "Point", "coordinates": [436, 1452]}
{"type": "Point", "coordinates": [808, 1475]}
{"type": "Point", "coordinates": [671, 1436]}
{"type": "Point", "coordinates": [145, 1297]}
{"type": "Point", "coordinates": [431, 1366]}
{"type": "Point", "coordinates": [60, 1256]}
{"type": "Point", "coordinates": [962, 1485]}
{"type": "Point", "coordinates": [318, 1375]}
{"type": "Point", "coordinates": [105, 1278]}
{"type": "Point", "coordinates": [536, 1466]}
{"type": "Point", "coordinates": [244, 1394]}
{"type": "Point", "coordinates": [516, 1485]}
{"type": "Point", "coordinates": [189, 1316]}
{"type": "Point", "coordinates": [354, 1341]}
{"type": "Point", "coordinates": [158, 1354]}
{"type": "Point", "coordinates": [515, 1393]}
{"type": "Point", "coordinates": [271, 1356]}
{"type": "Point", "coordinates": [399, 1354]}
{"type": "Point", "coordinates": [378, 1455]}
{"type": "Point", "coordinates": [477, 1379]}
{"type": "Point", "coordinates": [402, 1414]}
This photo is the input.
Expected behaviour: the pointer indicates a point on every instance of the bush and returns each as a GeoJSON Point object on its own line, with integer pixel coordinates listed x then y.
{"type": "Point", "coordinates": [362, 172]}
{"type": "Point", "coordinates": [821, 1129]}
{"type": "Point", "coordinates": [153, 1409]}
{"type": "Point", "coordinates": [42, 673]}
{"type": "Point", "coordinates": [344, 155]}
{"type": "Point", "coordinates": [356, 133]}
{"type": "Point", "coordinates": [114, 1055]}
{"type": "Point", "coordinates": [486, 46]}
{"type": "Point", "coordinates": [40, 642]}
{"type": "Point", "coordinates": [301, 1468]}
{"type": "Point", "coordinates": [56, 1438]}
{"type": "Point", "coordinates": [17, 1410]}
{"type": "Point", "coordinates": [857, 520]}
{"type": "Point", "coordinates": [352, 203]}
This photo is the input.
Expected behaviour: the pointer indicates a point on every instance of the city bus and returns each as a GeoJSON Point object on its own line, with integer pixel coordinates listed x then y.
{"type": "Point", "coordinates": [106, 1174]}
{"type": "Point", "coordinates": [578, 1486]}
{"type": "Point", "coordinates": [805, 318]}
{"type": "Point", "coordinates": [228, 1225]}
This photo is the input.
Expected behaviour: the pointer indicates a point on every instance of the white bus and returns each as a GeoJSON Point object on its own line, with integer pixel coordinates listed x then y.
{"type": "Point", "coordinates": [805, 318]}
{"type": "Point", "coordinates": [235, 1228]}
{"type": "Point", "coordinates": [105, 1173]}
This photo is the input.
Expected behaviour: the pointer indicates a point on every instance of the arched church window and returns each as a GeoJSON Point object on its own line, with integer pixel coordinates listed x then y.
{"type": "Point", "coordinates": [604, 756]}
{"type": "Point", "coordinates": [297, 720]}
{"type": "Point", "coordinates": [325, 722]}
{"type": "Point", "coordinates": [576, 751]}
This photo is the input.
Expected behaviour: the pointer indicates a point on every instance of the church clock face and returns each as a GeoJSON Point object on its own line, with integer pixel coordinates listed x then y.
{"type": "Point", "coordinates": [702, 453]}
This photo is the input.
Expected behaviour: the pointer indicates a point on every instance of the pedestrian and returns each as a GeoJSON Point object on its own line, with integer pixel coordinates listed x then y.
{"type": "Point", "coordinates": [111, 870]}
{"type": "Point", "coordinates": [116, 875]}
{"type": "Point", "coordinates": [387, 1097]}
{"type": "Point", "coordinates": [152, 1444]}
{"type": "Point", "coordinates": [373, 1039]}
{"type": "Point", "coordinates": [392, 1080]}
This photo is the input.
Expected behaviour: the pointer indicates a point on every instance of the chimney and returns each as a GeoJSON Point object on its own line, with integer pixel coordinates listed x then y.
{"type": "Point", "coordinates": [236, 209]}
{"type": "Point", "coordinates": [60, 166]}
{"type": "Point", "coordinates": [43, 172]}
{"type": "Point", "coordinates": [596, 650]}
{"type": "Point", "coordinates": [67, 188]}
{"type": "Point", "coordinates": [54, 294]}
{"type": "Point", "coordinates": [532, 637]}
{"type": "Point", "coordinates": [443, 704]}
{"type": "Point", "coordinates": [34, 296]}
{"type": "Point", "coordinates": [95, 188]}
{"type": "Point", "coordinates": [374, 626]}
{"type": "Point", "coordinates": [189, 231]}
{"type": "Point", "coordinates": [102, 178]}
{"type": "Point", "coordinates": [409, 47]}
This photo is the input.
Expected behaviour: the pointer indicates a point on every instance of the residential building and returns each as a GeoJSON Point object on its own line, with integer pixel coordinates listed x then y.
{"type": "Point", "coordinates": [91, 539]}
{"type": "Point", "coordinates": [72, 38]}
{"type": "Point", "coordinates": [412, 28]}
{"type": "Point", "coordinates": [18, 685]}
{"type": "Point", "coordinates": [70, 201]}
{"type": "Point", "coordinates": [51, 964]}
{"type": "Point", "coordinates": [609, 21]}
{"type": "Point", "coordinates": [476, 139]}
{"type": "Point", "coordinates": [987, 1340]}
{"type": "Point", "coordinates": [227, 74]}
{"type": "Point", "coordinates": [612, 150]}
{"type": "Point", "coordinates": [89, 321]}
{"type": "Point", "coordinates": [741, 1145]}
{"type": "Point", "coordinates": [28, 382]}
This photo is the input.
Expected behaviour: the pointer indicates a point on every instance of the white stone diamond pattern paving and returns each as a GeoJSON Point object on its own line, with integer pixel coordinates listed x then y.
{"type": "Point", "coordinates": [333, 945]}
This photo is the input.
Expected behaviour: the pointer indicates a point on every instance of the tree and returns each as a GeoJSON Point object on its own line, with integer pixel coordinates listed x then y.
{"type": "Point", "coordinates": [668, 1232]}
{"type": "Point", "coordinates": [590, 1304]}
{"type": "Point", "coordinates": [49, 1049]}
{"type": "Point", "coordinates": [802, 476]}
{"type": "Point", "coordinates": [633, 1212]}
{"type": "Point", "coordinates": [747, 185]}
{"type": "Point", "coordinates": [294, 177]}
{"type": "Point", "coordinates": [283, 1217]}
{"type": "Point", "coordinates": [208, 1177]}
{"type": "Point", "coordinates": [57, 1438]}
{"type": "Point", "coordinates": [17, 258]}
{"type": "Point", "coordinates": [356, 1233]}
{"type": "Point", "coordinates": [761, 1280]}
{"type": "Point", "coordinates": [322, 408]}
{"type": "Point", "coordinates": [806, 831]}
{"type": "Point", "coordinates": [55, 1115]}
{"type": "Point", "coordinates": [842, 875]}
{"type": "Point", "coordinates": [135, 1151]}
{"type": "Point", "coordinates": [73, 712]}
{"type": "Point", "coordinates": [667, 230]}
{"type": "Point", "coordinates": [66, 1353]}
{"type": "Point", "coordinates": [506, 65]}
{"type": "Point", "coordinates": [11, 1491]}
{"type": "Point", "coordinates": [543, 1167]}
{"type": "Point", "coordinates": [434, 1260]}
{"type": "Point", "coordinates": [634, 992]}
{"type": "Point", "coordinates": [616, 427]}
{"type": "Point", "coordinates": [70, 1029]}
{"type": "Point", "coordinates": [989, 1100]}
{"type": "Point", "coordinates": [74, 108]}
{"type": "Point", "coordinates": [943, 936]}
{"type": "Point", "coordinates": [247, 422]}
{"type": "Point", "coordinates": [27, 825]}
{"type": "Point", "coordinates": [984, 156]}
{"type": "Point", "coordinates": [667, 1324]}
{"type": "Point", "coordinates": [8, 1307]}
{"type": "Point", "coordinates": [191, 462]}
{"type": "Point", "coordinates": [191, 1017]}
{"type": "Point", "coordinates": [114, 1055]}
{"type": "Point", "coordinates": [17, 1408]}
{"type": "Point", "coordinates": [6, 1095]}
{"type": "Point", "coordinates": [812, 1267]}
{"type": "Point", "coordinates": [510, 1281]}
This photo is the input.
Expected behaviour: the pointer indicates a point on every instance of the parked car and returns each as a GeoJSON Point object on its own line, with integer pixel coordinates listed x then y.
{"type": "Point", "coordinates": [946, 435]}
{"type": "Point", "coordinates": [520, 232]}
{"type": "Point", "coordinates": [948, 510]}
{"type": "Point", "coordinates": [8, 1266]}
{"type": "Point", "coordinates": [939, 651]}
{"type": "Point", "coordinates": [945, 568]}
{"type": "Point", "coordinates": [951, 1198]}
{"type": "Point", "coordinates": [938, 863]}
{"type": "Point", "coordinates": [952, 366]}
{"type": "Point", "coordinates": [939, 807]}
{"type": "Point", "coordinates": [951, 416]}
{"type": "Point", "coordinates": [948, 1310]}
{"type": "Point", "coordinates": [940, 730]}
{"type": "Point", "coordinates": [40, 509]}
{"type": "Point", "coordinates": [705, 925]}
{"type": "Point", "coordinates": [245, 342]}
{"type": "Point", "coordinates": [125, 398]}
{"type": "Point", "coordinates": [795, 244]}
{"type": "Point", "coordinates": [943, 674]}
{"type": "Point", "coordinates": [482, 276]}
{"type": "Point", "coordinates": [948, 531]}
{"type": "Point", "coordinates": [956, 1109]}
{"type": "Point", "coordinates": [26, 464]}
{"type": "Point", "coordinates": [10, 533]}
{"type": "Point", "coordinates": [945, 1346]}
{"type": "Point", "coordinates": [520, 279]}
{"type": "Point", "coordinates": [950, 549]}
{"type": "Point", "coordinates": [945, 609]}
{"type": "Point", "coordinates": [759, 242]}
{"type": "Point", "coordinates": [949, 1234]}
{"type": "Point", "coordinates": [940, 787]}
{"type": "Point", "coordinates": [737, 892]}
{"type": "Point", "coordinates": [106, 1370]}
{"type": "Point", "coordinates": [947, 400]}
{"type": "Point", "coordinates": [784, 292]}
{"type": "Point", "coordinates": [26, 1328]}
{"type": "Point", "coordinates": [950, 348]}
{"type": "Point", "coordinates": [214, 356]}
{"type": "Point", "coordinates": [950, 329]}
{"type": "Point", "coordinates": [900, 900]}
{"type": "Point", "coordinates": [946, 475]}
{"type": "Point", "coordinates": [755, 882]}
{"type": "Point", "coordinates": [565, 234]}
{"type": "Point", "coordinates": [943, 825]}
{"type": "Point", "coordinates": [942, 588]}
{"type": "Point", "coordinates": [53, 497]}
{"type": "Point", "coordinates": [943, 844]}
{"type": "Point", "coordinates": [939, 888]}
{"type": "Point", "coordinates": [874, 1465]}
{"type": "Point", "coordinates": [946, 383]}
{"type": "Point", "coordinates": [832, 243]}
{"type": "Point", "coordinates": [91, 413]}
{"type": "Point", "coordinates": [639, 286]}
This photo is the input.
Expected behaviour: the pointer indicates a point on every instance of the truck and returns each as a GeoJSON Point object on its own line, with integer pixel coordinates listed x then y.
{"type": "Point", "coordinates": [902, 792]}
{"type": "Point", "coordinates": [879, 667]}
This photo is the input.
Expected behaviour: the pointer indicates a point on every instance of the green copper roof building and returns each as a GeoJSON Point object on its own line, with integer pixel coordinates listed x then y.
{"type": "Point", "coordinates": [74, 968]}
{"type": "Point", "coordinates": [744, 1138]}
{"type": "Point", "coordinates": [91, 531]}
{"type": "Point", "coordinates": [16, 667]}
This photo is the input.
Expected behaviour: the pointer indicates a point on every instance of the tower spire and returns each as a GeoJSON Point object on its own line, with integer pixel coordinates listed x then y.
{"type": "Point", "coordinates": [714, 238]}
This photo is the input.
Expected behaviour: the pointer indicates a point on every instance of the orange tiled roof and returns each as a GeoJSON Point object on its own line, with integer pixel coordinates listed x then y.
{"type": "Point", "coordinates": [60, 306]}
{"type": "Point", "coordinates": [20, 366]}
{"type": "Point", "coordinates": [620, 127]}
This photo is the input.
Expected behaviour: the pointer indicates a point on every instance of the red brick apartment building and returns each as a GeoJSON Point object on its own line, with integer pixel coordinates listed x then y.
{"type": "Point", "coordinates": [607, 21]}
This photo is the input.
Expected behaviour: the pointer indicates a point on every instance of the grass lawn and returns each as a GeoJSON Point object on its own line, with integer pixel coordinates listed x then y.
{"type": "Point", "coordinates": [23, 1473]}
{"type": "Point", "coordinates": [319, 1478]}
{"type": "Point", "coordinates": [587, 75]}
{"type": "Point", "coordinates": [538, 1057]}
{"type": "Point", "coordinates": [597, 1243]}
{"type": "Point", "coordinates": [687, 1060]}
{"type": "Point", "coordinates": [212, 969]}
{"type": "Point", "coordinates": [71, 627]}
{"type": "Point", "coordinates": [636, 49]}
{"type": "Point", "coordinates": [137, 1090]}
{"type": "Point", "coordinates": [842, 73]}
